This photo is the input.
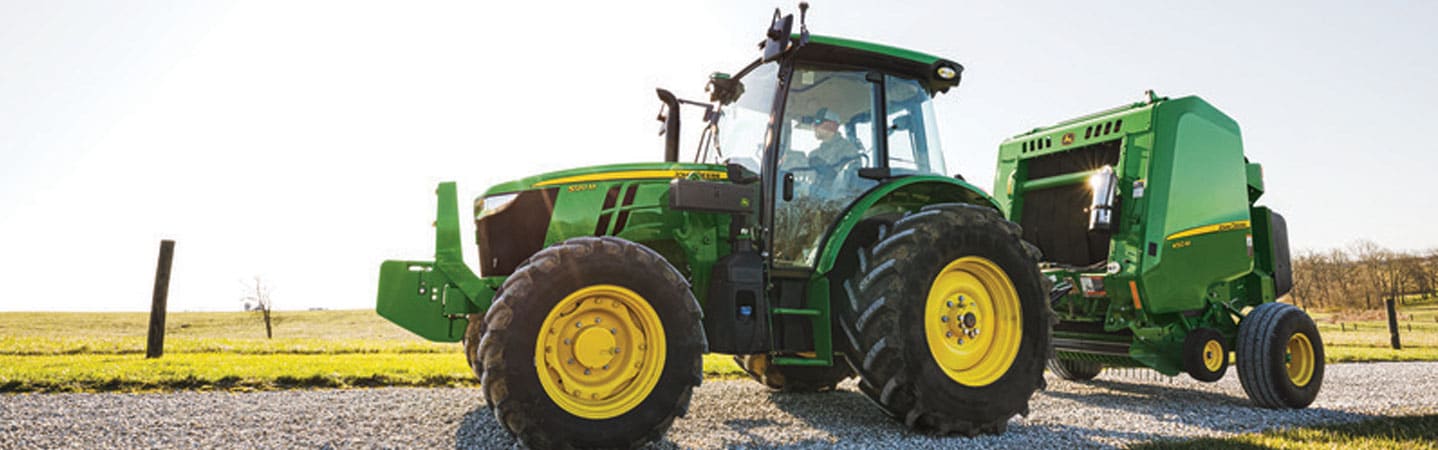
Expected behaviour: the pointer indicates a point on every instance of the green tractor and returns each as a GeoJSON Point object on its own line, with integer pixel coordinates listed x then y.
{"type": "Point", "coordinates": [817, 236]}
{"type": "Point", "coordinates": [1147, 221]}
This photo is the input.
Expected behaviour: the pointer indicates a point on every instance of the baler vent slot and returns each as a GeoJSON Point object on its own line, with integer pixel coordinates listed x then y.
{"type": "Point", "coordinates": [1103, 129]}
{"type": "Point", "coordinates": [1038, 144]}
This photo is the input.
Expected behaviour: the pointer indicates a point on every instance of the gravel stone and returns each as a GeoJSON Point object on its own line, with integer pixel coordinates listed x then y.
{"type": "Point", "coordinates": [1119, 407]}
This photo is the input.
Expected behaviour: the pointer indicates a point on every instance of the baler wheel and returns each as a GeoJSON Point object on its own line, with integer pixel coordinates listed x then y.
{"type": "Point", "coordinates": [1075, 370]}
{"type": "Point", "coordinates": [1205, 357]}
{"type": "Point", "coordinates": [1280, 356]}
{"type": "Point", "coordinates": [592, 343]}
{"type": "Point", "coordinates": [794, 378]}
{"type": "Point", "coordinates": [945, 273]}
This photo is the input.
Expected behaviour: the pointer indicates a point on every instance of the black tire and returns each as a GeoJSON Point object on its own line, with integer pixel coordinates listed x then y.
{"type": "Point", "coordinates": [473, 333]}
{"type": "Point", "coordinates": [794, 378]}
{"type": "Point", "coordinates": [511, 382]}
{"type": "Point", "coordinates": [1073, 369]}
{"type": "Point", "coordinates": [1197, 347]}
{"type": "Point", "coordinates": [1263, 339]}
{"type": "Point", "coordinates": [881, 313]}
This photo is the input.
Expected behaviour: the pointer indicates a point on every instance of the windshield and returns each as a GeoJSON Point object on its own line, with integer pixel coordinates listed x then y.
{"type": "Point", "coordinates": [743, 126]}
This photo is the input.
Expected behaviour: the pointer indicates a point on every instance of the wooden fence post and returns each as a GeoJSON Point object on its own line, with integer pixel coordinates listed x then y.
{"type": "Point", "coordinates": [1393, 324]}
{"type": "Point", "coordinates": [155, 345]}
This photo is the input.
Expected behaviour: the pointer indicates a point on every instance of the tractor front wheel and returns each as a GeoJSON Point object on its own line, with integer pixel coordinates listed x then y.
{"type": "Point", "coordinates": [1280, 356]}
{"type": "Point", "coordinates": [949, 320]}
{"type": "Point", "coordinates": [1075, 370]}
{"type": "Point", "coordinates": [594, 342]}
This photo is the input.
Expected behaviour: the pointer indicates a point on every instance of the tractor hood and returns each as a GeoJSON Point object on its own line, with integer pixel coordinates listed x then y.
{"type": "Point", "coordinates": [612, 172]}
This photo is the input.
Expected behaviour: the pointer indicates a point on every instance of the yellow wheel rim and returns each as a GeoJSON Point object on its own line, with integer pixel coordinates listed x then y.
{"type": "Point", "coordinates": [600, 351]}
{"type": "Point", "coordinates": [973, 321]}
{"type": "Point", "coordinates": [1213, 355]}
{"type": "Point", "coordinates": [1299, 359]}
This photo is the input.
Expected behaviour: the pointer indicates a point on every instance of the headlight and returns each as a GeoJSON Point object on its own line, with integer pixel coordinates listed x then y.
{"type": "Point", "coordinates": [493, 204]}
{"type": "Point", "coordinates": [1102, 183]}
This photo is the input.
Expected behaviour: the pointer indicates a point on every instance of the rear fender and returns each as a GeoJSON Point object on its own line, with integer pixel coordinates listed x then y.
{"type": "Point", "coordinates": [899, 195]}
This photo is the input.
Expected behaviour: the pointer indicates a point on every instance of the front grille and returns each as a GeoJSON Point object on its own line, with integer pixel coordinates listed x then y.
{"type": "Point", "coordinates": [511, 235]}
{"type": "Point", "coordinates": [1056, 219]}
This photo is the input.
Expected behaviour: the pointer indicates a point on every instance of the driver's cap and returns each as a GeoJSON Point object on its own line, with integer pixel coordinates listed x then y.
{"type": "Point", "coordinates": [825, 114]}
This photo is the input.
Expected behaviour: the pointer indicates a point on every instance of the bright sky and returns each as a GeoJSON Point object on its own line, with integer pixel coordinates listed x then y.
{"type": "Point", "coordinates": [300, 141]}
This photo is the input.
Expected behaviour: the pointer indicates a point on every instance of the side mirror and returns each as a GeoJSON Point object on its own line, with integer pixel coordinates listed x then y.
{"type": "Point", "coordinates": [778, 36]}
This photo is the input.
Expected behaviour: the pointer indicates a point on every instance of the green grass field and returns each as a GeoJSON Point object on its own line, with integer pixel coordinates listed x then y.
{"type": "Point", "coordinates": [85, 352]}
{"type": "Point", "coordinates": [88, 352]}
{"type": "Point", "coordinates": [1412, 432]}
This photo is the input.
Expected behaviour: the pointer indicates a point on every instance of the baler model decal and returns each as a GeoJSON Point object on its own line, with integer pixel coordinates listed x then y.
{"type": "Point", "coordinates": [636, 174]}
{"type": "Point", "coordinates": [1215, 228]}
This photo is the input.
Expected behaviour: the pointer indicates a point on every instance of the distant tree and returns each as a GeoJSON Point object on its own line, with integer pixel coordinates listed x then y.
{"type": "Point", "coordinates": [258, 299]}
{"type": "Point", "coordinates": [1371, 257]}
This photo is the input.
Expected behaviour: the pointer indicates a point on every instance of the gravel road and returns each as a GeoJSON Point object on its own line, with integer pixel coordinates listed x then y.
{"type": "Point", "coordinates": [1117, 408]}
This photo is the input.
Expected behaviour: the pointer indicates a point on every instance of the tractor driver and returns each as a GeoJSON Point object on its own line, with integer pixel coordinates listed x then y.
{"type": "Point", "coordinates": [833, 149]}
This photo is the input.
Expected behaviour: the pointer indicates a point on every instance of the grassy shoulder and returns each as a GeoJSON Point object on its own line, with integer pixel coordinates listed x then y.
{"type": "Point", "coordinates": [89, 352]}
{"type": "Point", "coordinates": [249, 372]}
{"type": "Point", "coordinates": [1412, 432]}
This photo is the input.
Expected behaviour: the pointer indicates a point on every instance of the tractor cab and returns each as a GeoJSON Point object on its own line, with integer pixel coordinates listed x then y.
{"type": "Point", "coordinates": [849, 115]}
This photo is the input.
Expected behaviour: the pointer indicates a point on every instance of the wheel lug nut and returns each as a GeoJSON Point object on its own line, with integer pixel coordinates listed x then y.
{"type": "Point", "coordinates": [606, 367]}
{"type": "Point", "coordinates": [586, 371]}
{"type": "Point", "coordinates": [567, 341]}
{"type": "Point", "coordinates": [613, 331]}
{"type": "Point", "coordinates": [578, 325]}
{"type": "Point", "coordinates": [961, 341]}
{"type": "Point", "coordinates": [944, 319]}
{"type": "Point", "coordinates": [596, 320]}
{"type": "Point", "coordinates": [948, 334]}
{"type": "Point", "coordinates": [571, 360]}
{"type": "Point", "coordinates": [950, 303]}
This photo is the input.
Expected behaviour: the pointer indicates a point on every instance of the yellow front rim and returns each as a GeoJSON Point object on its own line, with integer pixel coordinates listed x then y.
{"type": "Point", "coordinates": [1299, 359]}
{"type": "Point", "coordinates": [973, 321]}
{"type": "Point", "coordinates": [600, 351]}
{"type": "Point", "coordinates": [1213, 355]}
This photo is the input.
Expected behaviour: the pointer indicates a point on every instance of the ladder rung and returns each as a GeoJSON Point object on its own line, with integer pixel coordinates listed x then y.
{"type": "Point", "coordinates": [796, 312]}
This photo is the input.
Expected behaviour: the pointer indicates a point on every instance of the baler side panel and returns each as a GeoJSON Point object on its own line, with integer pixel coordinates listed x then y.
{"type": "Point", "coordinates": [1198, 209]}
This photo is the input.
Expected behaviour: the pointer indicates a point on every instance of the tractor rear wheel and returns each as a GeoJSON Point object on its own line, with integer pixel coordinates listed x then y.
{"type": "Point", "coordinates": [1075, 370]}
{"type": "Point", "coordinates": [594, 342]}
{"type": "Point", "coordinates": [794, 378]}
{"type": "Point", "coordinates": [948, 319]}
{"type": "Point", "coordinates": [1280, 356]}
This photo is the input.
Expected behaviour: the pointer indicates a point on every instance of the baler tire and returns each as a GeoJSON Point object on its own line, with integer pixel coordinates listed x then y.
{"type": "Point", "coordinates": [794, 378]}
{"type": "Point", "coordinates": [1266, 338]}
{"type": "Point", "coordinates": [1196, 357]}
{"type": "Point", "coordinates": [560, 275]}
{"type": "Point", "coordinates": [882, 310]}
{"type": "Point", "coordinates": [1073, 369]}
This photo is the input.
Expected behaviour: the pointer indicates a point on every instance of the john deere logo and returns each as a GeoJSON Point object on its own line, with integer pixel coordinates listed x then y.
{"type": "Point", "coordinates": [1067, 139]}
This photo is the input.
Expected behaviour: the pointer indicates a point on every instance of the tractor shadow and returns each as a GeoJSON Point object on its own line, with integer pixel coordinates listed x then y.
{"type": "Point", "coordinates": [481, 430]}
{"type": "Point", "coordinates": [1176, 403]}
{"type": "Point", "coordinates": [848, 419]}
